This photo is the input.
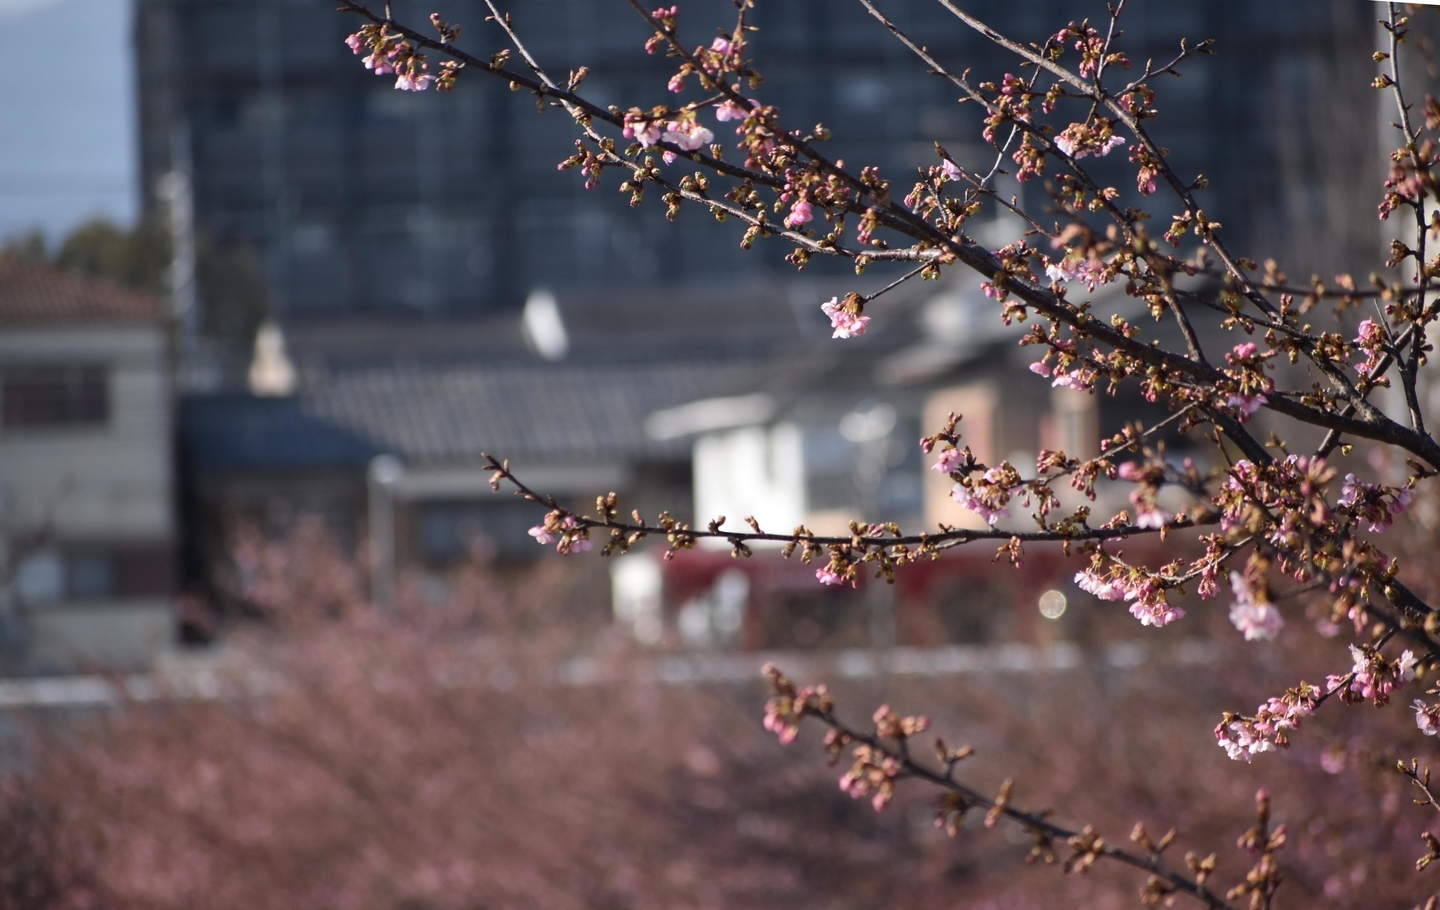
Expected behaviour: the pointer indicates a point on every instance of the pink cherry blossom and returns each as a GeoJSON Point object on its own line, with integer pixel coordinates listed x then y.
{"type": "Point", "coordinates": [950, 459]}
{"type": "Point", "coordinates": [1147, 514]}
{"type": "Point", "coordinates": [413, 82]}
{"type": "Point", "coordinates": [1350, 491]}
{"type": "Point", "coordinates": [541, 535]}
{"type": "Point", "coordinates": [1258, 619]}
{"type": "Point", "coordinates": [646, 133]}
{"type": "Point", "coordinates": [1069, 381]}
{"type": "Point", "coordinates": [845, 322]}
{"type": "Point", "coordinates": [1372, 676]}
{"type": "Point", "coordinates": [1369, 501]}
{"type": "Point", "coordinates": [1371, 341]}
{"type": "Point", "coordinates": [967, 498]}
{"type": "Point", "coordinates": [687, 134]}
{"type": "Point", "coordinates": [827, 577]}
{"type": "Point", "coordinates": [720, 46]}
{"type": "Point", "coordinates": [800, 213]}
{"type": "Point", "coordinates": [1240, 742]}
{"type": "Point", "coordinates": [776, 723]}
{"type": "Point", "coordinates": [379, 63]}
{"type": "Point", "coordinates": [1040, 368]}
{"type": "Point", "coordinates": [1091, 583]}
{"type": "Point", "coordinates": [572, 541]}
{"type": "Point", "coordinates": [950, 170]}
{"type": "Point", "coordinates": [1427, 718]}
{"type": "Point", "coordinates": [1243, 738]}
{"type": "Point", "coordinates": [1246, 405]}
{"type": "Point", "coordinates": [1077, 268]}
{"type": "Point", "coordinates": [356, 42]}
{"type": "Point", "coordinates": [1155, 613]}
{"type": "Point", "coordinates": [1405, 666]}
{"type": "Point", "coordinates": [1065, 270]}
{"type": "Point", "coordinates": [726, 111]}
{"type": "Point", "coordinates": [1079, 140]}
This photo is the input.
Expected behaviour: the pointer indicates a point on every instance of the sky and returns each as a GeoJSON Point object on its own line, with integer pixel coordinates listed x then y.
{"type": "Point", "coordinates": [70, 149]}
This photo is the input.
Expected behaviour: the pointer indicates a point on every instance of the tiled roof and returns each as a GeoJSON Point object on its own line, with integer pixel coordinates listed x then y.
{"type": "Point", "coordinates": [245, 434]}
{"type": "Point", "coordinates": [450, 414]}
{"type": "Point", "coordinates": [32, 292]}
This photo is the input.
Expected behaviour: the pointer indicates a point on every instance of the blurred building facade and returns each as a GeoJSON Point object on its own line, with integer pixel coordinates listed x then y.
{"type": "Point", "coordinates": [87, 518]}
{"type": "Point", "coordinates": [359, 199]}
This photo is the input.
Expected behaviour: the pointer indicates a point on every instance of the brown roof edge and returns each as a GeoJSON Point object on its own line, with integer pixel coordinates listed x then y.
{"type": "Point", "coordinates": [35, 293]}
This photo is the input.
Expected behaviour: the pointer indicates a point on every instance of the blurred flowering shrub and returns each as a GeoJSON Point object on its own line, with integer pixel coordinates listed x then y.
{"type": "Point", "coordinates": [442, 757]}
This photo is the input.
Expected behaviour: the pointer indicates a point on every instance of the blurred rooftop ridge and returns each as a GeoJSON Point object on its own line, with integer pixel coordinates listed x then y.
{"type": "Point", "coordinates": [35, 293]}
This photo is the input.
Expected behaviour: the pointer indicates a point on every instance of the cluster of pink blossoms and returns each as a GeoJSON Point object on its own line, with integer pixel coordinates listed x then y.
{"type": "Point", "coordinates": [684, 132]}
{"type": "Point", "coordinates": [1147, 513]}
{"type": "Point", "coordinates": [1377, 505]}
{"type": "Point", "coordinates": [1242, 738]}
{"type": "Point", "coordinates": [828, 576]}
{"type": "Point", "coordinates": [987, 499]}
{"type": "Point", "coordinates": [1427, 718]}
{"type": "Point", "coordinates": [873, 775]}
{"type": "Point", "coordinates": [1251, 395]}
{"type": "Point", "coordinates": [726, 111]}
{"type": "Point", "coordinates": [569, 533]}
{"type": "Point", "coordinates": [949, 461]}
{"type": "Point", "coordinates": [1371, 340]}
{"type": "Point", "coordinates": [1372, 676]}
{"type": "Point", "coordinates": [800, 213]}
{"type": "Point", "coordinates": [846, 321]}
{"type": "Point", "coordinates": [1076, 268]}
{"type": "Point", "coordinates": [1150, 605]}
{"type": "Point", "coordinates": [788, 707]}
{"type": "Point", "coordinates": [1293, 483]}
{"type": "Point", "coordinates": [1089, 43]}
{"type": "Point", "coordinates": [875, 772]}
{"type": "Point", "coordinates": [1079, 140]}
{"type": "Point", "coordinates": [391, 55]}
{"type": "Point", "coordinates": [1079, 380]}
{"type": "Point", "coordinates": [1256, 617]}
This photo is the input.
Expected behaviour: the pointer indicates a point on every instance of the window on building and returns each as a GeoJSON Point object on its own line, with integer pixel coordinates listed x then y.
{"type": "Point", "coordinates": [55, 576]}
{"type": "Point", "coordinates": [54, 396]}
{"type": "Point", "coordinates": [89, 576]}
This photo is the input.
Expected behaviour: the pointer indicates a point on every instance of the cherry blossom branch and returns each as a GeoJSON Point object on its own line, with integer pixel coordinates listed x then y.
{"type": "Point", "coordinates": [1421, 780]}
{"type": "Point", "coordinates": [883, 758]}
{"type": "Point", "coordinates": [1169, 69]}
{"type": "Point", "coordinates": [683, 536]}
{"type": "Point", "coordinates": [1372, 417]}
{"type": "Point", "coordinates": [1037, 135]}
{"type": "Point", "coordinates": [1409, 369]}
{"type": "Point", "coordinates": [1181, 189]}
{"type": "Point", "coordinates": [1207, 231]}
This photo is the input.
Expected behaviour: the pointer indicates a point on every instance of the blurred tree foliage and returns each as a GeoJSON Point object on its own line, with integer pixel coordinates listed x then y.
{"type": "Point", "coordinates": [233, 299]}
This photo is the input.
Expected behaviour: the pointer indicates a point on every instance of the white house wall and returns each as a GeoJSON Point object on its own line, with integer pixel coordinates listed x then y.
{"type": "Point", "coordinates": [111, 482]}
{"type": "Point", "coordinates": [755, 471]}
